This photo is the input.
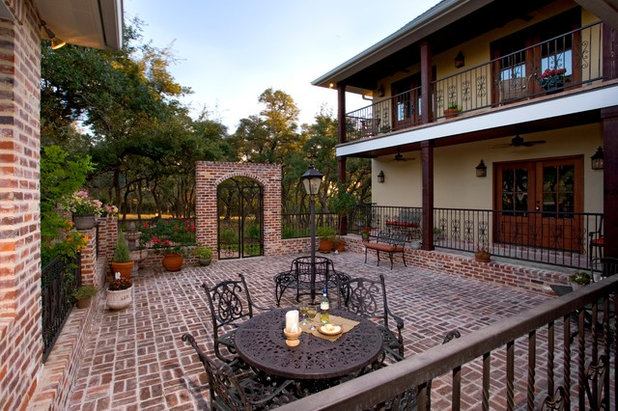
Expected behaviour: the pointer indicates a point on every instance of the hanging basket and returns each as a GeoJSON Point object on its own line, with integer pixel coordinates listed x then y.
{"type": "Point", "coordinates": [84, 222]}
{"type": "Point", "coordinates": [172, 261]}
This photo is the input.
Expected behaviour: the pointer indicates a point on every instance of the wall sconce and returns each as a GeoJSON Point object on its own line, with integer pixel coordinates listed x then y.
{"type": "Point", "coordinates": [381, 176]}
{"type": "Point", "coordinates": [56, 43]}
{"type": "Point", "coordinates": [381, 91]}
{"type": "Point", "coordinates": [481, 169]}
{"type": "Point", "coordinates": [459, 60]}
{"type": "Point", "coordinates": [596, 161]}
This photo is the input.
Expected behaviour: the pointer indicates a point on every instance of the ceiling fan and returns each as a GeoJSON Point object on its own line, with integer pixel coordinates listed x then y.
{"type": "Point", "coordinates": [518, 141]}
{"type": "Point", "coordinates": [400, 157]}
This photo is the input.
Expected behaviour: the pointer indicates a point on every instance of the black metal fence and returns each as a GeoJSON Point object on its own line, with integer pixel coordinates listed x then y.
{"type": "Point", "coordinates": [297, 225]}
{"type": "Point", "coordinates": [566, 239]}
{"type": "Point", "coordinates": [59, 279]}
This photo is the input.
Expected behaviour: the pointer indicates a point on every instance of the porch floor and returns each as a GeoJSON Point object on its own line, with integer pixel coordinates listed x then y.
{"type": "Point", "coordinates": [135, 358]}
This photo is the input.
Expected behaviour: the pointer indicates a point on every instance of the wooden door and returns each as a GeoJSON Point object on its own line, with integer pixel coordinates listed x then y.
{"type": "Point", "coordinates": [406, 102]}
{"type": "Point", "coordinates": [538, 202]}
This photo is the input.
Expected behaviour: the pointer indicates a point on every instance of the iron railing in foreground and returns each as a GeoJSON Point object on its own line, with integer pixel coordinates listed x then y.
{"type": "Point", "coordinates": [573, 336]}
{"type": "Point", "coordinates": [59, 279]}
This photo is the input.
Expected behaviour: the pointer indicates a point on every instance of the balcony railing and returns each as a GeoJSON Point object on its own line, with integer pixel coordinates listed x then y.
{"type": "Point", "coordinates": [558, 355]}
{"type": "Point", "coordinates": [566, 239]}
{"type": "Point", "coordinates": [577, 56]}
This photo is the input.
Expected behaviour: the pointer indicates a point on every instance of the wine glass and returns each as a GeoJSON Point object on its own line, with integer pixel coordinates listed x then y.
{"type": "Point", "coordinates": [312, 311]}
{"type": "Point", "coordinates": [303, 312]}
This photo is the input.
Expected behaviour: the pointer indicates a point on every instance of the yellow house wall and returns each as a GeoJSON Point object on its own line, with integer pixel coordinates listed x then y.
{"type": "Point", "coordinates": [455, 181]}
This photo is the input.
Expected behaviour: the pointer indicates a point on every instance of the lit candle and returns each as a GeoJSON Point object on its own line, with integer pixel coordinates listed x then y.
{"type": "Point", "coordinates": [291, 321]}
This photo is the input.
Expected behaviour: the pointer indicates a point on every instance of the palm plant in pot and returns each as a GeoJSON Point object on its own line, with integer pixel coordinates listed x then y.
{"type": "Point", "coordinates": [171, 236]}
{"type": "Point", "coordinates": [121, 262]}
{"type": "Point", "coordinates": [118, 294]}
{"type": "Point", "coordinates": [326, 236]}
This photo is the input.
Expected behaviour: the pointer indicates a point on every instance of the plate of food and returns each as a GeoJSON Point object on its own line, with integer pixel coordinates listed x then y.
{"type": "Point", "coordinates": [330, 329]}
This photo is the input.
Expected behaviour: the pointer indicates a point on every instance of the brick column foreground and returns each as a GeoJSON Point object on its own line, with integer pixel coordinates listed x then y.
{"type": "Point", "coordinates": [210, 174]}
{"type": "Point", "coordinates": [21, 345]}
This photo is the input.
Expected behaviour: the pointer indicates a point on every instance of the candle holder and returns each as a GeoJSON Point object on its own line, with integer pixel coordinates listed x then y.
{"type": "Point", "coordinates": [292, 338]}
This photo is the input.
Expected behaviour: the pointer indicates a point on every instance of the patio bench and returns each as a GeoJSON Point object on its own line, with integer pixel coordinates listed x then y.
{"type": "Point", "coordinates": [387, 242]}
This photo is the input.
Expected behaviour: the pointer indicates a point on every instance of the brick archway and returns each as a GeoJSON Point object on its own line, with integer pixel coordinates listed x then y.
{"type": "Point", "coordinates": [209, 174]}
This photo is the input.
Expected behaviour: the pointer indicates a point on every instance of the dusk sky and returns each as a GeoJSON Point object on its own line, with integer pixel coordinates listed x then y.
{"type": "Point", "coordinates": [229, 52]}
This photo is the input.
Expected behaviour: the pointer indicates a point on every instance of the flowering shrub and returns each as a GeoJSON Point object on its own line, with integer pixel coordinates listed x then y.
{"type": "Point", "coordinates": [80, 203]}
{"type": "Point", "coordinates": [68, 245]}
{"type": "Point", "coordinates": [109, 210]}
{"type": "Point", "coordinates": [170, 235]}
{"type": "Point", "coordinates": [120, 284]}
{"type": "Point", "coordinates": [552, 78]}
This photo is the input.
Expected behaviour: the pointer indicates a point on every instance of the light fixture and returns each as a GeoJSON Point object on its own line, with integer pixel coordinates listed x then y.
{"type": "Point", "coordinates": [381, 176]}
{"type": "Point", "coordinates": [331, 85]}
{"type": "Point", "coordinates": [481, 169]}
{"type": "Point", "coordinates": [381, 91]}
{"type": "Point", "coordinates": [312, 180]}
{"type": "Point", "coordinates": [56, 43]}
{"type": "Point", "coordinates": [596, 161]}
{"type": "Point", "coordinates": [459, 60]}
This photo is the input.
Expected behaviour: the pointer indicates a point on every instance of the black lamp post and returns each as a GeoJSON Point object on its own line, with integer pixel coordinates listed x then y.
{"type": "Point", "coordinates": [312, 180]}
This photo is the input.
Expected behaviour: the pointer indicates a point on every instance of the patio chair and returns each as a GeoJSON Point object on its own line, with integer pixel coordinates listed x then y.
{"type": "Point", "coordinates": [367, 298]}
{"type": "Point", "coordinates": [230, 304]}
{"type": "Point", "coordinates": [299, 277]}
{"type": "Point", "coordinates": [230, 391]}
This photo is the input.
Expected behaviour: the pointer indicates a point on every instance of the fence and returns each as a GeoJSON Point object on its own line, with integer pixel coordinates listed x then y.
{"type": "Point", "coordinates": [566, 239]}
{"type": "Point", "coordinates": [59, 279]}
{"type": "Point", "coordinates": [296, 225]}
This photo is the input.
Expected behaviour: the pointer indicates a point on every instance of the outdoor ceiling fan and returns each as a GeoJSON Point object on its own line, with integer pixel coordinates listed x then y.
{"type": "Point", "coordinates": [518, 141]}
{"type": "Point", "coordinates": [400, 157]}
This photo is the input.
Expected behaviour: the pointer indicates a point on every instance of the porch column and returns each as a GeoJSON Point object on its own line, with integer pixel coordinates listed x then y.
{"type": "Point", "coordinates": [426, 113]}
{"type": "Point", "coordinates": [610, 180]}
{"type": "Point", "coordinates": [427, 160]}
{"type": "Point", "coordinates": [341, 132]}
{"type": "Point", "coordinates": [610, 65]}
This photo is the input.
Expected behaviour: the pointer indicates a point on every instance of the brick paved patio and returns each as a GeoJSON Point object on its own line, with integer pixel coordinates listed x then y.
{"type": "Point", "coordinates": [135, 358]}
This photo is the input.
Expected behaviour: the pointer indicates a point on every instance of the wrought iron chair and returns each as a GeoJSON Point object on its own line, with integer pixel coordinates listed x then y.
{"type": "Point", "coordinates": [230, 304]}
{"type": "Point", "coordinates": [367, 298]}
{"type": "Point", "coordinates": [229, 391]}
{"type": "Point", "coordinates": [299, 277]}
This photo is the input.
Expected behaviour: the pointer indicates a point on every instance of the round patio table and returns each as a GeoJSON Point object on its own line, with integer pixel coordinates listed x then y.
{"type": "Point", "coordinates": [260, 343]}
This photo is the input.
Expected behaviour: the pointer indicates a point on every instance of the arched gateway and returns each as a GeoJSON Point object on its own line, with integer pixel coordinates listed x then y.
{"type": "Point", "coordinates": [238, 208]}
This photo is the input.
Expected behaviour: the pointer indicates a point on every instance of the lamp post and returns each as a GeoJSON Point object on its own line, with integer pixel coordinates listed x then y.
{"type": "Point", "coordinates": [312, 180]}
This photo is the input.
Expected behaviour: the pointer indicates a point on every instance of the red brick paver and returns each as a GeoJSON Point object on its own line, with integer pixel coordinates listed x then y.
{"type": "Point", "coordinates": [135, 359]}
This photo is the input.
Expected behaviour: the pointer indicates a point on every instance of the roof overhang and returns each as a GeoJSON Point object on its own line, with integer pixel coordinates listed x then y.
{"type": "Point", "coordinates": [433, 20]}
{"type": "Point", "coordinates": [557, 110]}
{"type": "Point", "coordinates": [607, 10]}
{"type": "Point", "coordinates": [88, 23]}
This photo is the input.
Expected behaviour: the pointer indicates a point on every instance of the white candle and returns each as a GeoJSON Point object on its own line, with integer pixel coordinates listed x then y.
{"type": "Point", "coordinates": [291, 321]}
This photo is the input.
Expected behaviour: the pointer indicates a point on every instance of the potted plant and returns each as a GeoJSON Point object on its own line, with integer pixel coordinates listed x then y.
{"type": "Point", "coordinates": [342, 203]}
{"type": "Point", "coordinates": [83, 295]}
{"type": "Point", "coordinates": [326, 236]}
{"type": "Point", "coordinates": [171, 236]}
{"type": "Point", "coordinates": [437, 234]}
{"type": "Point", "coordinates": [121, 262]}
{"type": "Point", "coordinates": [579, 279]}
{"type": "Point", "coordinates": [482, 255]}
{"type": "Point", "coordinates": [204, 254]}
{"type": "Point", "coordinates": [552, 79]}
{"type": "Point", "coordinates": [365, 233]}
{"type": "Point", "coordinates": [84, 209]}
{"type": "Point", "coordinates": [118, 293]}
{"type": "Point", "coordinates": [452, 109]}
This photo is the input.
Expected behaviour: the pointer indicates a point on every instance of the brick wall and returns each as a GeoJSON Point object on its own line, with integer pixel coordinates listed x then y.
{"type": "Point", "coordinates": [20, 269]}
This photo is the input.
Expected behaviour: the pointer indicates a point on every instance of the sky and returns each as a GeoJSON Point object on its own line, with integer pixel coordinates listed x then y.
{"type": "Point", "coordinates": [229, 52]}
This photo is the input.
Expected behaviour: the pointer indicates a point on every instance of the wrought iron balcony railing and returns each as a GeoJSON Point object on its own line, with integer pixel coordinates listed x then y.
{"type": "Point", "coordinates": [562, 63]}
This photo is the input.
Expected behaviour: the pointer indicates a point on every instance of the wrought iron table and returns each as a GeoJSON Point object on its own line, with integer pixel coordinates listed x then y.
{"type": "Point", "coordinates": [260, 343]}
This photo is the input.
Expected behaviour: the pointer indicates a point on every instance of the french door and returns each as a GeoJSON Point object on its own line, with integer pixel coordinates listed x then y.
{"type": "Point", "coordinates": [538, 202]}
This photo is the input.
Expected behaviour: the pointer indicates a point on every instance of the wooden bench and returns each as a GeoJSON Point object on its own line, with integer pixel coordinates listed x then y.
{"type": "Point", "coordinates": [388, 242]}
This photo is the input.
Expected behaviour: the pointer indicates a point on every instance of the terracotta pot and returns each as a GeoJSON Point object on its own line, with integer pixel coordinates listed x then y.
{"type": "Point", "coordinates": [84, 222]}
{"type": "Point", "coordinates": [482, 258]}
{"type": "Point", "coordinates": [451, 112]}
{"type": "Point", "coordinates": [123, 268]}
{"type": "Point", "coordinates": [172, 261]}
{"type": "Point", "coordinates": [339, 245]}
{"type": "Point", "coordinates": [325, 245]}
{"type": "Point", "coordinates": [84, 302]}
{"type": "Point", "coordinates": [119, 299]}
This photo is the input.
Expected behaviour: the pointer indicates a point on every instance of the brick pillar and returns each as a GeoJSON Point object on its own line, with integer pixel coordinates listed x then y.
{"type": "Point", "coordinates": [89, 258]}
{"type": "Point", "coordinates": [21, 344]}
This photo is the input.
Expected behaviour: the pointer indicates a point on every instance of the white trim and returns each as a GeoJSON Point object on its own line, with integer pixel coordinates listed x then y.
{"type": "Point", "coordinates": [555, 107]}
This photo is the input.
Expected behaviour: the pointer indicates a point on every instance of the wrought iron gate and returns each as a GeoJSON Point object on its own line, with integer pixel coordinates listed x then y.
{"type": "Point", "coordinates": [240, 212]}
